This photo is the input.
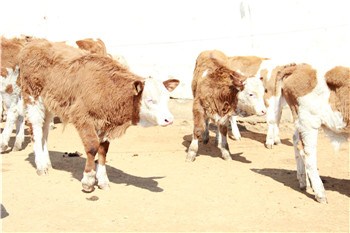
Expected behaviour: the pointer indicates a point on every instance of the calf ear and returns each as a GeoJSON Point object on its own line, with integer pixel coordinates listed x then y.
{"type": "Point", "coordinates": [138, 87]}
{"type": "Point", "coordinates": [84, 44]}
{"type": "Point", "coordinates": [171, 84]}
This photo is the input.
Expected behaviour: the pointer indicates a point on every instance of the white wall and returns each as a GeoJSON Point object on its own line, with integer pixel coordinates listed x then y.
{"type": "Point", "coordinates": [163, 37]}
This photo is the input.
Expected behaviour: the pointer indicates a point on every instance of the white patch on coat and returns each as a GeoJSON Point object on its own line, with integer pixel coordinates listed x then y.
{"type": "Point", "coordinates": [205, 73]}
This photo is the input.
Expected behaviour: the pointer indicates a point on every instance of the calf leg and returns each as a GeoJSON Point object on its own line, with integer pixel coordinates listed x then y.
{"type": "Point", "coordinates": [19, 126]}
{"type": "Point", "coordinates": [234, 128]}
{"type": "Point", "coordinates": [301, 173]}
{"type": "Point", "coordinates": [36, 116]}
{"type": "Point", "coordinates": [222, 142]}
{"type": "Point", "coordinates": [309, 155]}
{"type": "Point", "coordinates": [273, 118]}
{"type": "Point", "coordinates": [101, 173]}
{"type": "Point", "coordinates": [6, 133]}
{"type": "Point", "coordinates": [199, 128]}
{"type": "Point", "coordinates": [46, 127]}
{"type": "Point", "coordinates": [91, 144]}
{"type": "Point", "coordinates": [19, 133]}
{"type": "Point", "coordinates": [205, 135]}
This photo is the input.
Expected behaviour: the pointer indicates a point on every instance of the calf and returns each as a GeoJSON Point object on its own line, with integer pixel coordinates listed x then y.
{"type": "Point", "coordinates": [95, 93]}
{"type": "Point", "coordinates": [215, 89]}
{"type": "Point", "coordinates": [10, 92]}
{"type": "Point", "coordinates": [251, 98]}
{"type": "Point", "coordinates": [316, 99]}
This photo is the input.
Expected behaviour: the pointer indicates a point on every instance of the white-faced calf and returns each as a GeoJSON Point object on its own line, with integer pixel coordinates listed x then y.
{"type": "Point", "coordinates": [95, 93]}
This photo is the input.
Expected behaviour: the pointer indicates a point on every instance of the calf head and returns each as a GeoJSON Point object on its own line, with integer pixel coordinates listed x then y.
{"type": "Point", "coordinates": [251, 98]}
{"type": "Point", "coordinates": [154, 104]}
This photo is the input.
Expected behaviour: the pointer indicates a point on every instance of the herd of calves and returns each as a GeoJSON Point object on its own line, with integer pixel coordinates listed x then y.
{"type": "Point", "coordinates": [98, 94]}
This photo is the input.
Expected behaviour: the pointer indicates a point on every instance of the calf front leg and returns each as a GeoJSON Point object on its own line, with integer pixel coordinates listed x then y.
{"type": "Point", "coordinates": [91, 145]}
{"type": "Point", "coordinates": [222, 142]}
{"type": "Point", "coordinates": [101, 173]}
{"type": "Point", "coordinates": [234, 128]}
{"type": "Point", "coordinates": [198, 130]}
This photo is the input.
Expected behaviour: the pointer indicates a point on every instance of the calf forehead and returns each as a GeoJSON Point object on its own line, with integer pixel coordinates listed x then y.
{"type": "Point", "coordinates": [254, 84]}
{"type": "Point", "coordinates": [155, 89]}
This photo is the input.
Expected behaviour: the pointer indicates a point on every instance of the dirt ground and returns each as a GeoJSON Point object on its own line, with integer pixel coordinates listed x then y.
{"type": "Point", "coordinates": [154, 189]}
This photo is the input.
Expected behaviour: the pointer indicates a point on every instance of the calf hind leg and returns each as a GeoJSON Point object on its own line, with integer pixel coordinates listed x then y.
{"type": "Point", "coordinates": [298, 152]}
{"type": "Point", "coordinates": [309, 155]}
{"type": "Point", "coordinates": [36, 116]}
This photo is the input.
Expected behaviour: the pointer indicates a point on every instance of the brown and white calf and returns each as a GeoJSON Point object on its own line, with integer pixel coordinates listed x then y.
{"type": "Point", "coordinates": [317, 99]}
{"type": "Point", "coordinates": [251, 98]}
{"type": "Point", "coordinates": [215, 88]}
{"type": "Point", "coordinates": [95, 93]}
{"type": "Point", "coordinates": [10, 96]}
{"type": "Point", "coordinates": [10, 93]}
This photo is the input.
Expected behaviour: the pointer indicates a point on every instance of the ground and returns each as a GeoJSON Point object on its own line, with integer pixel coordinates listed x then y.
{"type": "Point", "coordinates": [154, 189]}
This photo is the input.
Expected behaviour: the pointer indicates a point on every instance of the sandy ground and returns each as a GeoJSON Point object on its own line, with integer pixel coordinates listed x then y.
{"type": "Point", "coordinates": [154, 189]}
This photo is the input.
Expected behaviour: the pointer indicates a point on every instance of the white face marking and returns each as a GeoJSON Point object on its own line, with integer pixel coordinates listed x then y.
{"type": "Point", "coordinates": [251, 99]}
{"type": "Point", "coordinates": [154, 104]}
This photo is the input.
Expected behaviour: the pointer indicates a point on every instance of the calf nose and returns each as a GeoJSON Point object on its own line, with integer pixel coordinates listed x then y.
{"type": "Point", "coordinates": [263, 112]}
{"type": "Point", "coordinates": [167, 121]}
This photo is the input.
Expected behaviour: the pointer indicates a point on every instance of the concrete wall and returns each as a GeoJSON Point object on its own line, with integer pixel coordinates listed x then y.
{"type": "Point", "coordinates": [162, 38]}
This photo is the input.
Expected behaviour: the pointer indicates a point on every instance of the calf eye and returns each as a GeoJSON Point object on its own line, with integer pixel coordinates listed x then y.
{"type": "Point", "coordinates": [265, 90]}
{"type": "Point", "coordinates": [250, 94]}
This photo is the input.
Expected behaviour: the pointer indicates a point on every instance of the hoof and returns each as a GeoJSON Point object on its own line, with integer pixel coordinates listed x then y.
{"type": "Point", "coordinates": [88, 182]}
{"type": "Point", "coordinates": [88, 189]}
{"type": "Point", "coordinates": [277, 141]}
{"type": "Point", "coordinates": [190, 159]}
{"type": "Point", "coordinates": [104, 186]}
{"type": "Point", "coordinates": [226, 155]}
{"type": "Point", "coordinates": [42, 172]}
{"type": "Point", "coordinates": [17, 148]}
{"type": "Point", "coordinates": [268, 146]}
{"type": "Point", "coordinates": [322, 200]}
{"type": "Point", "coordinates": [3, 148]}
{"type": "Point", "coordinates": [191, 156]}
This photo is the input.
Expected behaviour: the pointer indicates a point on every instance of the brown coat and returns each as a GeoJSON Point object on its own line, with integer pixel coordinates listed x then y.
{"type": "Point", "coordinates": [81, 88]}
{"type": "Point", "coordinates": [216, 90]}
{"type": "Point", "coordinates": [338, 81]}
{"type": "Point", "coordinates": [10, 49]}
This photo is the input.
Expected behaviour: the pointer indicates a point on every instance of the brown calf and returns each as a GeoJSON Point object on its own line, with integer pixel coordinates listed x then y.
{"type": "Point", "coordinates": [215, 89]}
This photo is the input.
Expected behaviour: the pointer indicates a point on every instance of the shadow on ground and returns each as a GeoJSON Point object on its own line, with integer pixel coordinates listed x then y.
{"type": "Point", "coordinates": [75, 166]}
{"type": "Point", "coordinates": [289, 178]}
{"type": "Point", "coordinates": [211, 149]}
